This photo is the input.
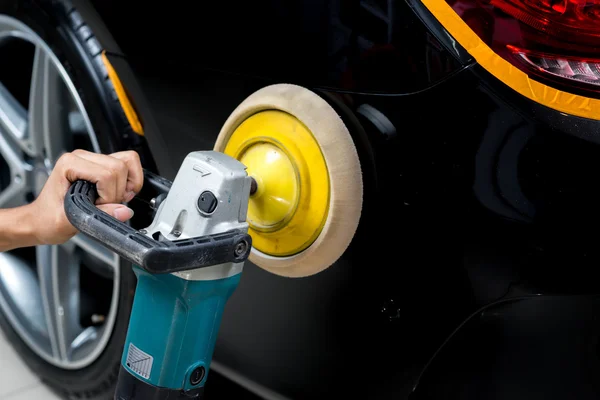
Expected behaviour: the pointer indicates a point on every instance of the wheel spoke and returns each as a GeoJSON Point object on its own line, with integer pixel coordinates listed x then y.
{"type": "Point", "coordinates": [13, 195]}
{"type": "Point", "coordinates": [20, 174]}
{"type": "Point", "coordinates": [13, 118]}
{"type": "Point", "coordinates": [48, 112]}
{"type": "Point", "coordinates": [88, 335]}
{"type": "Point", "coordinates": [96, 249]}
{"type": "Point", "coordinates": [58, 271]}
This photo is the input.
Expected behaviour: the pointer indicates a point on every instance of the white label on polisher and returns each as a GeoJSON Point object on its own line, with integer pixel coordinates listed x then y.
{"type": "Point", "coordinates": [139, 361]}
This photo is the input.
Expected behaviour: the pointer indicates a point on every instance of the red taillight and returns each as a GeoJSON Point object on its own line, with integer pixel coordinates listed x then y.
{"type": "Point", "coordinates": [555, 40]}
{"type": "Point", "coordinates": [580, 71]}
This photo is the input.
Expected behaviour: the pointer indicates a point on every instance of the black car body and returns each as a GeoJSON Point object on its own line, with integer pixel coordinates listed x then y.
{"type": "Point", "coordinates": [471, 275]}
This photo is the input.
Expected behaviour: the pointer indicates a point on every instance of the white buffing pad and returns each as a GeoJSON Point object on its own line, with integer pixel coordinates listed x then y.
{"type": "Point", "coordinates": [341, 157]}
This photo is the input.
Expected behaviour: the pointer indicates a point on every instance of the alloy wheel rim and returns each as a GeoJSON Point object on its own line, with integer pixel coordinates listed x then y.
{"type": "Point", "coordinates": [45, 292]}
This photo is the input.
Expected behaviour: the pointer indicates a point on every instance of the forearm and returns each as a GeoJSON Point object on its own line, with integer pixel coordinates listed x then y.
{"type": "Point", "coordinates": [17, 228]}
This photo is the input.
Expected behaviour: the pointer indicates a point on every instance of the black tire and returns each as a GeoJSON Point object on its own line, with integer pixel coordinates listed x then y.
{"type": "Point", "coordinates": [63, 29]}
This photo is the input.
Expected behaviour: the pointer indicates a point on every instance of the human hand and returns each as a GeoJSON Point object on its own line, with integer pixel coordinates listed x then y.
{"type": "Point", "coordinates": [118, 178]}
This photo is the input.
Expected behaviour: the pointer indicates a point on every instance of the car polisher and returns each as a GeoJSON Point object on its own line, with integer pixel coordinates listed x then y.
{"type": "Point", "coordinates": [188, 262]}
{"type": "Point", "coordinates": [282, 188]}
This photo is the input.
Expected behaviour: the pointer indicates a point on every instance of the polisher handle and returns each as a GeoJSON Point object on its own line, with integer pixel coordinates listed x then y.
{"type": "Point", "coordinates": [154, 256]}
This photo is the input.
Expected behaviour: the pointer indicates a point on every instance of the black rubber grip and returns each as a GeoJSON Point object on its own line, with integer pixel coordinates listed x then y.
{"type": "Point", "coordinates": [131, 388]}
{"type": "Point", "coordinates": [154, 256]}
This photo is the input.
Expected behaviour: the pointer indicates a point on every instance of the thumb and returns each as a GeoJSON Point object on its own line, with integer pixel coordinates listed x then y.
{"type": "Point", "coordinates": [119, 211]}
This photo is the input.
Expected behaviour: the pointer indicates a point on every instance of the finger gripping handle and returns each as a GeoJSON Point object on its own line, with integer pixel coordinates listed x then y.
{"type": "Point", "coordinates": [152, 255]}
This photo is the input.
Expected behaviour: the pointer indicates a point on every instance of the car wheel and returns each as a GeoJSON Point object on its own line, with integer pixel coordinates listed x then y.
{"type": "Point", "coordinates": [64, 308]}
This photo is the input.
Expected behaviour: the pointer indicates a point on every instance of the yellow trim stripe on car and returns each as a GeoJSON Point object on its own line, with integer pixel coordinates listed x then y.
{"type": "Point", "coordinates": [512, 76]}
{"type": "Point", "coordinates": [128, 108]}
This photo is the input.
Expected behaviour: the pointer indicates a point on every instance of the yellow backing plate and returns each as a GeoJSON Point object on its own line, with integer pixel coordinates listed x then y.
{"type": "Point", "coordinates": [290, 207]}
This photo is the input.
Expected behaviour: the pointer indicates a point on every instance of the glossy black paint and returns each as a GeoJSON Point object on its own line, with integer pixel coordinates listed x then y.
{"type": "Point", "coordinates": [472, 273]}
{"type": "Point", "coordinates": [359, 46]}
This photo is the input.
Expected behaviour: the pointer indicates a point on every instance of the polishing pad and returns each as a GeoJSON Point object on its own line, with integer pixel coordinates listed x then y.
{"type": "Point", "coordinates": [308, 201]}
